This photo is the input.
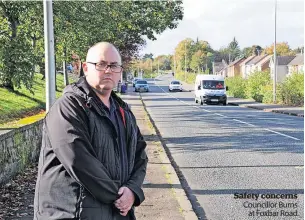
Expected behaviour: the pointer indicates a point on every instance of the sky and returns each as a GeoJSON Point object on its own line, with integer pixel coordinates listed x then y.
{"type": "Point", "coordinates": [219, 21]}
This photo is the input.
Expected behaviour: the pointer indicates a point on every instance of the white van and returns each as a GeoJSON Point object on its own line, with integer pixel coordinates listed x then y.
{"type": "Point", "coordinates": [210, 89]}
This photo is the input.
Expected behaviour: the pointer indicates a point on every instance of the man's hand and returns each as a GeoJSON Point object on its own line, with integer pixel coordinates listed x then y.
{"type": "Point", "coordinates": [125, 202]}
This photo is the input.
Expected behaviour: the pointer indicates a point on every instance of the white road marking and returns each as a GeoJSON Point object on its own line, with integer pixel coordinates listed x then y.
{"type": "Point", "coordinates": [297, 139]}
{"type": "Point", "coordinates": [244, 122]}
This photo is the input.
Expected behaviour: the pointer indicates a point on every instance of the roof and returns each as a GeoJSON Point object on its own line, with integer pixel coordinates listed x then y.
{"type": "Point", "coordinates": [256, 59]}
{"type": "Point", "coordinates": [246, 60]}
{"type": "Point", "coordinates": [264, 60]}
{"type": "Point", "coordinates": [298, 60]}
{"type": "Point", "coordinates": [236, 61]}
{"type": "Point", "coordinates": [218, 66]}
{"type": "Point", "coordinates": [209, 77]}
{"type": "Point", "coordinates": [284, 60]}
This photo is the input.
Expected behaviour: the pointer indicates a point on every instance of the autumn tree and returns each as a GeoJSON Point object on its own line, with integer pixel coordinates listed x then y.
{"type": "Point", "coordinates": [184, 52]}
{"type": "Point", "coordinates": [282, 49]}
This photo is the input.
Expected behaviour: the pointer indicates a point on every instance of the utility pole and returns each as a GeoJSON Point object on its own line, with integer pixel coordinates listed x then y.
{"type": "Point", "coordinates": [158, 67]}
{"type": "Point", "coordinates": [185, 62]}
{"type": "Point", "coordinates": [174, 64]}
{"type": "Point", "coordinates": [151, 68]}
{"type": "Point", "coordinates": [49, 53]}
{"type": "Point", "coordinates": [274, 59]}
{"type": "Point", "coordinates": [66, 78]}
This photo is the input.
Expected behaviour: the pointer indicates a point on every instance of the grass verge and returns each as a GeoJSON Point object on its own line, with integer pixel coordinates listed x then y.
{"type": "Point", "coordinates": [21, 107]}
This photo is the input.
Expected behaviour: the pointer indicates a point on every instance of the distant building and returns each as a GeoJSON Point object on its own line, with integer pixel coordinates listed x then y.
{"type": "Point", "coordinates": [296, 65]}
{"type": "Point", "coordinates": [251, 65]}
{"type": "Point", "coordinates": [243, 67]}
{"type": "Point", "coordinates": [220, 68]}
{"type": "Point", "coordinates": [234, 68]}
{"type": "Point", "coordinates": [281, 67]}
{"type": "Point", "coordinates": [263, 64]}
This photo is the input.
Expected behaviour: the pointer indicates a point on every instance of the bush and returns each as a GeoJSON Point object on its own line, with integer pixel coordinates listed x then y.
{"type": "Point", "coordinates": [291, 91]}
{"type": "Point", "coordinates": [237, 86]}
{"type": "Point", "coordinates": [267, 92]}
{"type": "Point", "coordinates": [256, 83]}
{"type": "Point", "coordinates": [190, 77]}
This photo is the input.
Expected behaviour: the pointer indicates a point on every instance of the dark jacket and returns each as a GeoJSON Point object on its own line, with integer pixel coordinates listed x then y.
{"type": "Point", "coordinates": [79, 165]}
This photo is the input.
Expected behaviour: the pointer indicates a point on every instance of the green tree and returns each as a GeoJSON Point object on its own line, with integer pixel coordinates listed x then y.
{"type": "Point", "coordinates": [18, 46]}
{"type": "Point", "coordinates": [77, 26]}
{"type": "Point", "coordinates": [234, 50]}
{"type": "Point", "coordinates": [148, 56]}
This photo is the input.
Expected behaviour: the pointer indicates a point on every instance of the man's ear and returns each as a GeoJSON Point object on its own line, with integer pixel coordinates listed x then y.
{"type": "Point", "coordinates": [85, 67]}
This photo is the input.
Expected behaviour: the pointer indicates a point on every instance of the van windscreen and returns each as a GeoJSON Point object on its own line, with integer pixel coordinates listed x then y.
{"type": "Point", "coordinates": [212, 84]}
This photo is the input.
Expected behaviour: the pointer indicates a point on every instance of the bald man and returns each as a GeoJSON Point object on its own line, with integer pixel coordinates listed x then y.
{"type": "Point", "coordinates": [92, 162]}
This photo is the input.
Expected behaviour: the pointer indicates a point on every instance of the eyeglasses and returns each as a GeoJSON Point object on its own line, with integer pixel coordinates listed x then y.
{"type": "Point", "coordinates": [103, 66]}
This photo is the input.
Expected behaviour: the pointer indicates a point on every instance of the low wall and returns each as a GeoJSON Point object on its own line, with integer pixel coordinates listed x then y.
{"type": "Point", "coordinates": [19, 147]}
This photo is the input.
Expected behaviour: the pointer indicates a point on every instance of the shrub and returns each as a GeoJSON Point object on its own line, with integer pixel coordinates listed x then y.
{"type": "Point", "coordinates": [236, 86]}
{"type": "Point", "coordinates": [291, 91]}
{"type": "Point", "coordinates": [267, 92]}
{"type": "Point", "coordinates": [255, 83]}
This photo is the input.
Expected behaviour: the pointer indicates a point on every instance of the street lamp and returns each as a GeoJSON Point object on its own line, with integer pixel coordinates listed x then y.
{"type": "Point", "coordinates": [274, 59]}
{"type": "Point", "coordinates": [49, 53]}
{"type": "Point", "coordinates": [174, 64]}
{"type": "Point", "coordinates": [185, 62]}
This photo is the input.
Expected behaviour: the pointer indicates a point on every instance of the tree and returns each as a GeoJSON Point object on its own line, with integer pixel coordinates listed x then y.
{"type": "Point", "coordinates": [223, 53]}
{"type": "Point", "coordinates": [299, 50]}
{"type": "Point", "coordinates": [148, 56]}
{"type": "Point", "coordinates": [234, 50]}
{"type": "Point", "coordinates": [254, 50]}
{"type": "Point", "coordinates": [18, 48]}
{"type": "Point", "coordinates": [77, 26]}
{"type": "Point", "coordinates": [197, 61]}
{"type": "Point", "coordinates": [184, 49]}
{"type": "Point", "coordinates": [282, 49]}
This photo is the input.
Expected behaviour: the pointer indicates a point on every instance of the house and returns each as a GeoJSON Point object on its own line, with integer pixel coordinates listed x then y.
{"type": "Point", "coordinates": [243, 66]}
{"type": "Point", "coordinates": [296, 65]}
{"type": "Point", "coordinates": [281, 67]}
{"type": "Point", "coordinates": [234, 68]}
{"type": "Point", "coordinates": [220, 68]}
{"type": "Point", "coordinates": [251, 65]}
{"type": "Point", "coordinates": [263, 64]}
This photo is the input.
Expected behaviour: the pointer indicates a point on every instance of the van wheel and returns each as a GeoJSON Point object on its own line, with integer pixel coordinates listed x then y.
{"type": "Point", "coordinates": [196, 101]}
{"type": "Point", "coordinates": [201, 101]}
{"type": "Point", "coordinates": [224, 104]}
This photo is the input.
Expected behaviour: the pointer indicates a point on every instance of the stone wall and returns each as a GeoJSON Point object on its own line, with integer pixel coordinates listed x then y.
{"type": "Point", "coordinates": [19, 147]}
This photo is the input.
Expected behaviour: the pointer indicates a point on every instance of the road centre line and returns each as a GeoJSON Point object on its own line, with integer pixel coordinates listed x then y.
{"type": "Point", "coordinates": [244, 122]}
{"type": "Point", "coordinates": [297, 139]}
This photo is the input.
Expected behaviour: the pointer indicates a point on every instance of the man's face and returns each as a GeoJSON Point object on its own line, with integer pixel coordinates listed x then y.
{"type": "Point", "coordinates": [106, 73]}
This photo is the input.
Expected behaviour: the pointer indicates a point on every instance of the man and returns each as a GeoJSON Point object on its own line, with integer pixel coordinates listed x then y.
{"type": "Point", "coordinates": [219, 85]}
{"type": "Point", "coordinates": [92, 162]}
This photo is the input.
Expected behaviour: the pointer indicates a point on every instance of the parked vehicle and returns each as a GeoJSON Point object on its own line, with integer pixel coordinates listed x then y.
{"type": "Point", "coordinates": [134, 81]}
{"type": "Point", "coordinates": [141, 85]}
{"type": "Point", "coordinates": [175, 86]}
{"type": "Point", "coordinates": [210, 89]}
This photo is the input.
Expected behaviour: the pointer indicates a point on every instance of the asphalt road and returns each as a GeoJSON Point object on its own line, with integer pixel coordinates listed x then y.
{"type": "Point", "coordinates": [227, 150]}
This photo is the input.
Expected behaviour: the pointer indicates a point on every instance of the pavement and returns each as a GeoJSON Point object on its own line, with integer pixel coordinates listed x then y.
{"type": "Point", "coordinates": [248, 103]}
{"type": "Point", "coordinates": [165, 197]}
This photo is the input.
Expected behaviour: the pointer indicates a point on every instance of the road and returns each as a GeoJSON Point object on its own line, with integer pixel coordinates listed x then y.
{"type": "Point", "coordinates": [227, 150]}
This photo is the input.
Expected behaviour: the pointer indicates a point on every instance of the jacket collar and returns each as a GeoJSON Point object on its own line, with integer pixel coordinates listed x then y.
{"type": "Point", "coordinates": [83, 89]}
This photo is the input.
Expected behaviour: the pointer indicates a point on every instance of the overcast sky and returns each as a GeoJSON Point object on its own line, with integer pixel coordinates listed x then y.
{"type": "Point", "coordinates": [218, 21]}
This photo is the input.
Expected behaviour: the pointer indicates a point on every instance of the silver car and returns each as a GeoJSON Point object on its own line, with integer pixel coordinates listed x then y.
{"type": "Point", "coordinates": [141, 86]}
